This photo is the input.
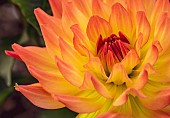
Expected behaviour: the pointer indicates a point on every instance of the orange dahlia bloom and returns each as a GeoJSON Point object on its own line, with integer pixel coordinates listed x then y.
{"type": "Point", "coordinates": [103, 58]}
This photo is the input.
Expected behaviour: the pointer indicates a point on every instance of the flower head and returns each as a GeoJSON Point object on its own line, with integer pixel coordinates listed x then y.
{"type": "Point", "coordinates": [103, 58]}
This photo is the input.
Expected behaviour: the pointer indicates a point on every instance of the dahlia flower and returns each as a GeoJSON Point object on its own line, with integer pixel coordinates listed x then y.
{"type": "Point", "coordinates": [102, 58]}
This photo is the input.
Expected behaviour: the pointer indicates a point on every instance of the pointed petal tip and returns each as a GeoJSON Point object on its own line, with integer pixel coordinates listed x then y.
{"type": "Point", "coordinates": [37, 10]}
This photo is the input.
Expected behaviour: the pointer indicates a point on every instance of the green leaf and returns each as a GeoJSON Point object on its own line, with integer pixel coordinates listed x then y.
{"type": "Point", "coordinates": [59, 113]}
{"type": "Point", "coordinates": [5, 93]}
{"type": "Point", "coordinates": [5, 68]}
{"type": "Point", "coordinates": [27, 8]}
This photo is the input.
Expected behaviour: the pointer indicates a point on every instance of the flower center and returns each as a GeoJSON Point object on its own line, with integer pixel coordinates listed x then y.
{"type": "Point", "coordinates": [112, 50]}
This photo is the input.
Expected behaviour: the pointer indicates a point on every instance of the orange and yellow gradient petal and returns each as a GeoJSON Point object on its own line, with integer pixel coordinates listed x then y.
{"type": "Point", "coordinates": [102, 58]}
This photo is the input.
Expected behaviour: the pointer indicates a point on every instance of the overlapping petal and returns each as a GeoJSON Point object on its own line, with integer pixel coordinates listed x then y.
{"type": "Point", "coordinates": [103, 58]}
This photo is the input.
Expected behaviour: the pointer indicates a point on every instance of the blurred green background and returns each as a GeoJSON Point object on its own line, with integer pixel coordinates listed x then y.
{"type": "Point", "coordinates": [18, 25]}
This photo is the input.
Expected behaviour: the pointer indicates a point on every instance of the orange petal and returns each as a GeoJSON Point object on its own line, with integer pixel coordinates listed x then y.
{"type": "Point", "coordinates": [130, 61]}
{"type": "Point", "coordinates": [35, 56]}
{"type": "Point", "coordinates": [162, 29]}
{"type": "Point", "coordinates": [101, 9]}
{"type": "Point", "coordinates": [75, 58]}
{"type": "Point", "coordinates": [143, 26]}
{"type": "Point", "coordinates": [161, 73]}
{"type": "Point", "coordinates": [160, 6]}
{"type": "Point", "coordinates": [118, 75]}
{"type": "Point", "coordinates": [122, 99]}
{"type": "Point", "coordinates": [12, 54]}
{"type": "Point", "coordinates": [110, 3]}
{"type": "Point", "coordinates": [71, 15]}
{"type": "Point", "coordinates": [42, 17]}
{"type": "Point", "coordinates": [111, 59]}
{"type": "Point", "coordinates": [81, 104]}
{"type": "Point", "coordinates": [160, 114]}
{"type": "Point", "coordinates": [39, 97]}
{"type": "Point", "coordinates": [100, 88]}
{"type": "Point", "coordinates": [138, 44]}
{"type": "Point", "coordinates": [112, 114]}
{"type": "Point", "coordinates": [134, 6]}
{"type": "Point", "coordinates": [51, 41]}
{"type": "Point", "coordinates": [56, 7]}
{"type": "Point", "coordinates": [149, 68]}
{"type": "Point", "coordinates": [91, 82]}
{"type": "Point", "coordinates": [95, 67]}
{"type": "Point", "coordinates": [152, 102]}
{"type": "Point", "coordinates": [87, 83]}
{"type": "Point", "coordinates": [80, 39]}
{"type": "Point", "coordinates": [84, 6]}
{"type": "Point", "coordinates": [98, 26]}
{"type": "Point", "coordinates": [120, 20]}
{"type": "Point", "coordinates": [53, 23]}
{"type": "Point", "coordinates": [53, 82]}
{"type": "Point", "coordinates": [149, 5]}
{"type": "Point", "coordinates": [151, 56]}
{"type": "Point", "coordinates": [141, 80]}
{"type": "Point", "coordinates": [159, 46]}
{"type": "Point", "coordinates": [70, 73]}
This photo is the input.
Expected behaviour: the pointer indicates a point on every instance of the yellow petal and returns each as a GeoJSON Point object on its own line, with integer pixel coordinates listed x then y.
{"type": "Point", "coordinates": [95, 67]}
{"type": "Point", "coordinates": [134, 6]}
{"type": "Point", "coordinates": [51, 41]}
{"type": "Point", "coordinates": [110, 3]}
{"type": "Point", "coordinates": [143, 26]}
{"type": "Point", "coordinates": [113, 114]}
{"type": "Point", "coordinates": [71, 15]}
{"type": "Point", "coordinates": [151, 55]}
{"type": "Point", "coordinates": [75, 59]}
{"type": "Point", "coordinates": [130, 61]}
{"type": "Point", "coordinates": [122, 99]}
{"type": "Point", "coordinates": [85, 6]}
{"type": "Point", "coordinates": [100, 88]}
{"type": "Point", "coordinates": [87, 83]}
{"type": "Point", "coordinates": [81, 104]}
{"type": "Point", "coordinates": [101, 9]}
{"type": "Point", "coordinates": [53, 23]}
{"type": "Point", "coordinates": [53, 82]}
{"type": "Point", "coordinates": [160, 6]}
{"type": "Point", "coordinates": [70, 73]}
{"type": "Point", "coordinates": [152, 102]}
{"type": "Point", "coordinates": [118, 75]}
{"type": "Point", "coordinates": [120, 20]}
{"type": "Point", "coordinates": [138, 44]}
{"type": "Point", "coordinates": [149, 5]}
{"type": "Point", "coordinates": [141, 80]}
{"type": "Point", "coordinates": [80, 39]}
{"type": "Point", "coordinates": [98, 26]}
{"type": "Point", "coordinates": [39, 97]}
{"type": "Point", "coordinates": [162, 31]}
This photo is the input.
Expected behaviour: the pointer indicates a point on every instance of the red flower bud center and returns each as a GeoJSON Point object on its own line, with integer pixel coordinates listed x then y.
{"type": "Point", "coordinates": [112, 50]}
